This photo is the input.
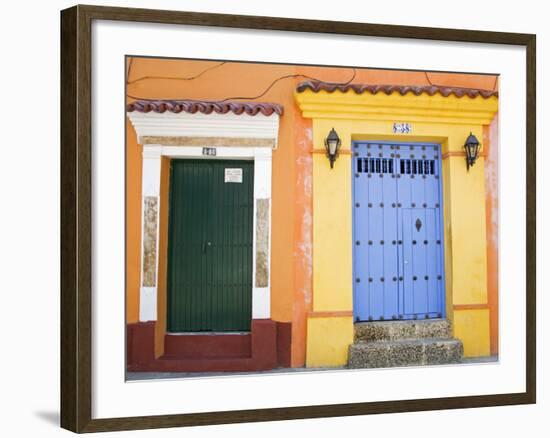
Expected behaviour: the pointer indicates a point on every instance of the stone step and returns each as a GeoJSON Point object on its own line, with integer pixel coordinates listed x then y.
{"type": "Point", "coordinates": [384, 354]}
{"type": "Point", "coordinates": [395, 330]}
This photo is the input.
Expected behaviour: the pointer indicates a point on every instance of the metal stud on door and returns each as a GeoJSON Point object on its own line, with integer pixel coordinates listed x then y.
{"type": "Point", "coordinates": [419, 190]}
{"type": "Point", "coordinates": [375, 250]}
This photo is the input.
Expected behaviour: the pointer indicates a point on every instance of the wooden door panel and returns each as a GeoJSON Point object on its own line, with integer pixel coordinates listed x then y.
{"type": "Point", "coordinates": [210, 247]}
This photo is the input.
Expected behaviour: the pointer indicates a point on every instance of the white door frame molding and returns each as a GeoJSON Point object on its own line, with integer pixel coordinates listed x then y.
{"type": "Point", "coordinates": [249, 137]}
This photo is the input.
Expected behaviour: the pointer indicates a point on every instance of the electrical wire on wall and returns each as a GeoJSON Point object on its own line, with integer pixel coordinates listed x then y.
{"type": "Point", "coordinates": [288, 77]}
{"type": "Point", "coordinates": [494, 88]}
{"type": "Point", "coordinates": [258, 96]}
{"type": "Point", "coordinates": [263, 93]}
{"type": "Point", "coordinates": [175, 78]}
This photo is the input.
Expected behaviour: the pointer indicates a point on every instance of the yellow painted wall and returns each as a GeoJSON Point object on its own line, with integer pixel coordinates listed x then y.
{"type": "Point", "coordinates": [444, 120]}
{"type": "Point", "coordinates": [472, 328]}
{"type": "Point", "coordinates": [328, 340]}
{"type": "Point", "coordinates": [332, 225]}
{"type": "Point", "coordinates": [466, 222]}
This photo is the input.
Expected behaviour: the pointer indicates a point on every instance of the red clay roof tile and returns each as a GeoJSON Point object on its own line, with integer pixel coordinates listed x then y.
{"type": "Point", "coordinates": [205, 107]}
{"type": "Point", "coordinates": [316, 86]}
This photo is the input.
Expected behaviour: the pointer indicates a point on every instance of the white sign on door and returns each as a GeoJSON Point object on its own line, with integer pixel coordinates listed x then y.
{"type": "Point", "coordinates": [233, 176]}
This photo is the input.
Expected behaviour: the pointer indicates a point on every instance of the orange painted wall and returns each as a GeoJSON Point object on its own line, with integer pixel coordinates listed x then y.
{"type": "Point", "coordinates": [133, 224]}
{"type": "Point", "coordinates": [291, 274]}
{"type": "Point", "coordinates": [160, 328]}
{"type": "Point", "coordinates": [303, 244]}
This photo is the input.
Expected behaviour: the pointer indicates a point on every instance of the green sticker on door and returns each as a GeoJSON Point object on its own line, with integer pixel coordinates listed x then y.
{"type": "Point", "coordinates": [233, 175]}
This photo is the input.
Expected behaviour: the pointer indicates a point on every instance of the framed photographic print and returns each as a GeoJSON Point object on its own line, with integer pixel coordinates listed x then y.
{"type": "Point", "coordinates": [267, 218]}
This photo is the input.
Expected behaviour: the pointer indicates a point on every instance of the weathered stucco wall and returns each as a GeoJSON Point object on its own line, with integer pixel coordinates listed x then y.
{"type": "Point", "coordinates": [490, 138]}
{"type": "Point", "coordinates": [292, 191]}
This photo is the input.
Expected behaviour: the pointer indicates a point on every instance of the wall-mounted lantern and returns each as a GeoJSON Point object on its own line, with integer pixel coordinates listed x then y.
{"type": "Point", "coordinates": [332, 145]}
{"type": "Point", "coordinates": [472, 150]}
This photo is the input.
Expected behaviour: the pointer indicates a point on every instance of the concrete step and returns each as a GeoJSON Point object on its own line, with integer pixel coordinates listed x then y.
{"type": "Point", "coordinates": [404, 352]}
{"type": "Point", "coordinates": [395, 330]}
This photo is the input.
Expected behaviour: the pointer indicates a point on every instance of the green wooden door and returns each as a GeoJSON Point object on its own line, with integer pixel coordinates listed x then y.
{"type": "Point", "coordinates": [210, 245]}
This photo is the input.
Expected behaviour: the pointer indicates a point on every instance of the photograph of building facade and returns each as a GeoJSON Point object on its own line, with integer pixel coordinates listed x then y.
{"type": "Point", "coordinates": [289, 216]}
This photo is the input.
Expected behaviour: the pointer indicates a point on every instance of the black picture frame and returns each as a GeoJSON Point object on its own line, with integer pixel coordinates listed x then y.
{"type": "Point", "coordinates": [76, 217]}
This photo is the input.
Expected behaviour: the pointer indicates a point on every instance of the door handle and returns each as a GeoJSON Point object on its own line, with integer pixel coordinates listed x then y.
{"type": "Point", "coordinates": [204, 246]}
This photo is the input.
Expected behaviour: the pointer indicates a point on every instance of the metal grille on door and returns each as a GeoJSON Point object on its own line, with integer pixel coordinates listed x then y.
{"type": "Point", "coordinates": [398, 256]}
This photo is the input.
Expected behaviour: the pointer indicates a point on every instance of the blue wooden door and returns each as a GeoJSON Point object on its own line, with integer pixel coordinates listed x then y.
{"type": "Point", "coordinates": [397, 217]}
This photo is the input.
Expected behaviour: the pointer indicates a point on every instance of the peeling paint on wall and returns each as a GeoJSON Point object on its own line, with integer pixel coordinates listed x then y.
{"type": "Point", "coordinates": [150, 218]}
{"type": "Point", "coordinates": [491, 179]}
{"type": "Point", "coordinates": [305, 180]}
{"type": "Point", "coordinates": [492, 224]}
{"type": "Point", "coordinates": [304, 249]}
{"type": "Point", "coordinates": [303, 244]}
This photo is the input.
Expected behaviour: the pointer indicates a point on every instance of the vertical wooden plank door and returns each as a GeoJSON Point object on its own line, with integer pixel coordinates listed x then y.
{"type": "Point", "coordinates": [397, 251]}
{"type": "Point", "coordinates": [210, 245]}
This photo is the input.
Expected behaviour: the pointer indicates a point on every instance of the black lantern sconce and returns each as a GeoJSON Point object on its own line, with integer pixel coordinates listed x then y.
{"type": "Point", "coordinates": [332, 146]}
{"type": "Point", "coordinates": [472, 150]}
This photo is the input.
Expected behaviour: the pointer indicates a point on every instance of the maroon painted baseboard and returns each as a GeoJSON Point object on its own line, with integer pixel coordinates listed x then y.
{"type": "Point", "coordinates": [266, 347]}
{"type": "Point", "coordinates": [140, 343]}
{"type": "Point", "coordinates": [284, 338]}
{"type": "Point", "coordinates": [208, 346]}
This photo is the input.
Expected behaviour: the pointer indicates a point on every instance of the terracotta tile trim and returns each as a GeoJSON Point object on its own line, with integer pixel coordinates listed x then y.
{"type": "Point", "coordinates": [317, 86]}
{"type": "Point", "coordinates": [205, 107]}
{"type": "Point", "coordinates": [470, 306]}
{"type": "Point", "coordinates": [458, 154]}
{"type": "Point", "coordinates": [453, 154]}
{"type": "Point", "coordinates": [322, 151]}
{"type": "Point", "coordinates": [329, 314]}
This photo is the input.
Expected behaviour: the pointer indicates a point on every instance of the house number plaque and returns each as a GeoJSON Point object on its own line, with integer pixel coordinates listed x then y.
{"type": "Point", "coordinates": [209, 151]}
{"type": "Point", "coordinates": [402, 128]}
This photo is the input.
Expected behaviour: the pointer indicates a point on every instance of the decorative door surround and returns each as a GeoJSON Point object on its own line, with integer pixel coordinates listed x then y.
{"type": "Point", "coordinates": [236, 130]}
